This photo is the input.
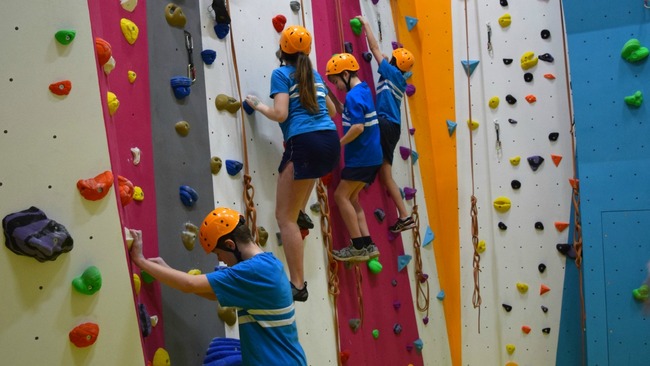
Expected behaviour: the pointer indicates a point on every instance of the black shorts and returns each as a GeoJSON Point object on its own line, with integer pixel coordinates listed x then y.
{"type": "Point", "coordinates": [313, 154]}
{"type": "Point", "coordinates": [389, 137]}
{"type": "Point", "coordinates": [364, 174]}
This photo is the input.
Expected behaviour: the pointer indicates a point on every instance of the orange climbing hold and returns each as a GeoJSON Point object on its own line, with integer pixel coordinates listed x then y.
{"type": "Point", "coordinates": [543, 289]}
{"type": "Point", "coordinates": [575, 183]}
{"type": "Point", "coordinates": [62, 87]}
{"type": "Point", "coordinates": [531, 98]}
{"type": "Point", "coordinates": [561, 225]}
{"type": "Point", "coordinates": [94, 189]}
{"type": "Point", "coordinates": [556, 159]}
{"type": "Point", "coordinates": [126, 190]}
{"type": "Point", "coordinates": [104, 51]}
{"type": "Point", "coordinates": [525, 329]}
{"type": "Point", "coordinates": [549, 76]}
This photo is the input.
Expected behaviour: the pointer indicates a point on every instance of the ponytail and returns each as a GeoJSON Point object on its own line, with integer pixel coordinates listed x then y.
{"type": "Point", "coordinates": [306, 84]}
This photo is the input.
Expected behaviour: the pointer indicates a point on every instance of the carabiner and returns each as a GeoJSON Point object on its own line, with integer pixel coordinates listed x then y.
{"type": "Point", "coordinates": [189, 46]}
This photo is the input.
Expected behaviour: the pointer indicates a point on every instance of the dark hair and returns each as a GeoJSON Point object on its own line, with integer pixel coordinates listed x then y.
{"type": "Point", "coordinates": [393, 61]}
{"type": "Point", "coordinates": [240, 235]}
{"type": "Point", "coordinates": [305, 77]}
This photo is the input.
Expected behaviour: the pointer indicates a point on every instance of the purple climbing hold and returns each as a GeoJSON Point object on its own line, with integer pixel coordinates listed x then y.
{"type": "Point", "coordinates": [233, 167]}
{"type": "Point", "coordinates": [412, 131]}
{"type": "Point", "coordinates": [348, 47]}
{"type": "Point", "coordinates": [145, 320]}
{"type": "Point", "coordinates": [393, 282]}
{"type": "Point", "coordinates": [546, 57]}
{"type": "Point", "coordinates": [553, 136]}
{"type": "Point", "coordinates": [397, 304]}
{"type": "Point", "coordinates": [423, 277]}
{"type": "Point", "coordinates": [375, 2]}
{"type": "Point", "coordinates": [367, 56]}
{"type": "Point", "coordinates": [396, 45]}
{"type": "Point", "coordinates": [566, 249]}
{"type": "Point", "coordinates": [392, 236]}
{"type": "Point", "coordinates": [535, 161]}
{"type": "Point", "coordinates": [409, 193]}
{"type": "Point", "coordinates": [380, 214]}
{"type": "Point", "coordinates": [397, 329]}
{"type": "Point", "coordinates": [425, 320]}
{"type": "Point", "coordinates": [404, 152]}
{"type": "Point", "coordinates": [410, 90]}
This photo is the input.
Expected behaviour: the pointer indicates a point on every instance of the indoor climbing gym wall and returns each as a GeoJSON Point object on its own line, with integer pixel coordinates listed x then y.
{"type": "Point", "coordinates": [608, 49]}
{"type": "Point", "coordinates": [64, 268]}
{"type": "Point", "coordinates": [515, 157]}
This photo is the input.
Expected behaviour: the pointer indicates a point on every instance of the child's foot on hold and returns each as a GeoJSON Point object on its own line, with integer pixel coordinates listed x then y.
{"type": "Point", "coordinates": [402, 224]}
{"type": "Point", "coordinates": [299, 295]}
{"type": "Point", "coordinates": [304, 221]}
{"type": "Point", "coordinates": [351, 254]}
{"type": "Point", "coordinates": [373, 251]}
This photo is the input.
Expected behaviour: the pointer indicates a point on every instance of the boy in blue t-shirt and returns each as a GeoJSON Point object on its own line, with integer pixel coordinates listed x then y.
{"type": "Point", "coordinates": [363, 155]}
{"type": "Point", "coordinates": [254, 282]}
{"type": "Point", "coordinates": [390, 92]}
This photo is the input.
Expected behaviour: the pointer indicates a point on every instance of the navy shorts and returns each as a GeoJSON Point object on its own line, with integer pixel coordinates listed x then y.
{"type": "Point", "coordinates": [364, 174]}
{"type": "Point", "coordinates": [389, 136]}
{"type": "Point", "coordinates": [313, 154]}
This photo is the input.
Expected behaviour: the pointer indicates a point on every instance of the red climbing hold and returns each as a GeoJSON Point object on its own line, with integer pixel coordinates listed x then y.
{"type": "Point", "coordinates": [525, 329]}
{"type": "Point", "coordinates": [575, 183]}
{"type": "Point", "coordinates": [278, 22]}
{"type": "Point", "coordinates": [94, 189]}
{"type": "Point", "coordinates": [543, 289]}
{"type": "Point", "coordinates": [556, 159]}
{"type": "Point", "coordinates": [561, 225]}
{"type": "Point", "coordinates": [62, 87]}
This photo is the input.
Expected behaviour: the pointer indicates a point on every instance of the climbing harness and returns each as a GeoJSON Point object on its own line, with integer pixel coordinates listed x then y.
{"type": "Point", "coordinates": [189, 46]}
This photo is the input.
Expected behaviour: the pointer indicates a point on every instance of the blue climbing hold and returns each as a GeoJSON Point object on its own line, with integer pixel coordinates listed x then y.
{"type": "Point", "coordinates": [469, 66]}
{"type": "Point", "coordinates": [181, 86]}
{"type": "Point", "coordinates": [414, 157]}
{"type": "Point", "coordinates": [418, 344]}
{"type": "Point", "coordinates": [441, 295]}
{"type": "Point", "coordinates": [249, 110]}
{"type": "Point", "coordinates": [208, 56]}
{"type": "Point", "coordinates": [403, 261]}
{"type": "Point", "coordinates": [222, 30]}
{"type": "Point", "coordinates": [411, 22]}
{"type": "Point", "coordinates": [408, 75]}
{"type": "Point", "coordinates": [451, 127]}
{"type": "Point", "coordinates": [233, 167]}
{"type": "Point", "coordinates": [428, 237]}
{"type": "Point", "coordinates": [188, 195]}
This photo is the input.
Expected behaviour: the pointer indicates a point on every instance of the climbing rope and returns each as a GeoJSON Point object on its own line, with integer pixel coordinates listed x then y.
{"type": "Point", "coordinates": [249, 190]}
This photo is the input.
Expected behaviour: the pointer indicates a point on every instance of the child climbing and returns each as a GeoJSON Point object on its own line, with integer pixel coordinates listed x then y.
{"type": "Point", "coordinates": [267, 326]}
{"type": "Point", "coordinates": [362, 153]}
{"type": "Point", "coordinates": [390, 91]}
{"type": "Point", "coordinates": [302, 107]}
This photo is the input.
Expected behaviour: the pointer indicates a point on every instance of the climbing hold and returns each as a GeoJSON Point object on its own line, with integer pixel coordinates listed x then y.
{"type": "Point", "coordinates": [414, 157]}
{"type": "Point", "coordinates": [502, 204]}
{"type": "Point", "coordinates": [556, 159]}
{"type": "Point", "coordinates": [182, 128]}
{"type": "Point", "coordinates": [469, 66]}
{"type": "Point", "coordinates": [375, 333]}
{"type": "Point", "coordinates": [425, 320]}
{"type": "Point", "coordinates": [423, 277]}
{"type": "Point", "coordinates": [633, 51]}
{"type": "Point", "coordinates": [135, 154]}
{"type": "Point", "coordinates": [181, 86]}
{"type": "Point", "coordinates": [510, 99]}
{"type": "Point", "coordinates": [530, 98]}
{"type": "Point", "coordinates": [525, 329]}
{"type": "Point", "coordinates": [545, 33]}
{"type": "Point", "coordinates": [451, 127]}
{"type": "Point", "coordinates": [138, 193]}
{"type": "Point", "coordinates": [230, 104]}
{"type": "Point", "coordinates": [553, 136]}
{"type": "Point", "coordinates": [397, 329]}
{"type": "Point", "coordinates": [493, 102]}
{"type": "Point", "coordinates": [511, 363]}
{"type": "Point", "coordinates": [354, 324]}
{"type": "Point", "coordinates": [512, 121]}
{"type": "Point", "coordinates": [546, 330]}
{"type": "Point", "coordinates": [175, 16]}
{"type": "Point", "coordinates": [441, 295]}
{"type": "Point", "coordinates": [481, 246]}
{"type": "Point", "coordinates": [278, 236]}
{"type": "Point", "coordinates": [154, 318]}
{"type": "Point", "coordinates": [278, 22]}
{"type": "Point", "coordinates": [221, 15]}
{"type": "Point", "coordinates": [428, 237]}
{"type": "Point", "coordinates": [403, 261]}
{"type": "Point", "coordinates": [247, 108]}
{"type": "Point", "coordinates": [84, 335]}
{"type": "Point", "coordinates": [528, 60]}
{"type": "Point", "coordinates": [566, 249]}
{"type": "Point", "coordinates": [410, 90]}
{"type": "Point", "coordinates": [522, 287]}
{"type": "Point", "coordinates": [103, 50]}
{"type": "Point", "coordinates": [642, 293]}
{"type": "Point", "coordinates": [472, 124]}
{"type": "Point", "coordinates": [188, 236]}
{"type": "Point", "coordinates": [575, 183]}
{"type": "Point", "coordinates": [505, 20]}
{"type": "Point", "coordinates": [295, 5]}
{"type": "Point", "coordinates": [89, 282]}
{"type": "Point", "coordinates": [344, 356]}
{"type": "Point", "coordinates": [208, 56]}
{"type": "Point", "coordinates": [404, 152]}
{"type": "Point", "coordinates": [549, 76]}
{"type": "Point", "coordinates": [418, 344]}
{"type": "Point", "coordinates": [65, 36]}
{"type": "Point", "coordinates": [193, 272]}
{"type": "Point", "coordinates": [215, 164]}
{"type": "Point", "coordinates": [541, 267]}
{"type": "Point", "coordinates": [348, 47]}
{"type": "Point", "coordinates": [411, 131]}
{"type": "Point", "coordinates": [392, 236]}
{"type": "Point", "coordinates": [315, 208]}
{"type": "Point", "coordinates": [507, 307]}
{"type": "Point", "coordinates": [393, 283]}
{"type": "Point", "coordinates": [94, 189]}
{"type": "Point", "coordinates": [112, 102]}
{"type": "Point", "coordinates": [132, 76]}
{"type": "Point", "coordinates": [539, 225]}
{"type": "Point", "coordinates": [409, 193]}
{"type": "Point", "coordinates": [129, 5]}
{"type": "Point", "coordinates": [546, 57]}
{"type": "Point", "coordinates": [126, 190]}
{"type": "Point", "coordinates": [221, 30]}
{"type": "Point", "coordinates": [227, 315]}
{"type": "Point", "coordinates": [161, 358]}
{"type": "Point", "coordinates": [188, 195]}
{"type": "Point", "coordinates": [396, 45]}
{"type": "Point", "coordinates": [233, 167]}
{"type": "Point", "coordinates": [544, 309]}
{"type": "Point", "coordinates": [397, 304]}
{"type": "Point", "coordinates": [510, 348]}
{"type": "Point", "coordinates": [379, 214]}
{"type": "Point", "coordinates": [374, 266]}
{"type": "Point", "coordinates": [561, 225]}
{"type": "Point", "coordinates": [137, 284]}
{"type": "Point", "coordinates": [543, 289]}
{"type": "Point", "coordinates": [109, 66]}
{"type": "Point", "coordinates": [367, 56]}
{"type": "Point", "coordinates": [503, 3]}
{"type": "Point", "coordinates": [515, 160]}
{"type": "Point", "coordinates": [263, 235]}
{"type": "Point", "coordinates": [502, 226]}
{"type": "Point", "coordinates": [62, 87]}
{"type": "Point", "coordinates": [356, 26]}
{"type": "Point", "coordinates": [507, 61]}
{"type": "Point", "coordinates": [146, 277]}
{"type": "Point", "coordinates": [633, 100]}
{"type": "Point", "coordinates": [535, 161]}
{"type": "Point", "coordinates": [411, 22]}
{"type": "Point", "coordinates": [130, 30]}
{"type": "Point", "coordinates": [515, 184]}
{"type": "Point", "coordinates": [409, 347]}
{"type": "Point", "coordinates": [528, 77]}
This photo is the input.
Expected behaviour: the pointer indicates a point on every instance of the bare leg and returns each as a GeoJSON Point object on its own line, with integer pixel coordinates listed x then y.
{"type": "Point", "coordinates": [343, 195]}
{"type": "Point", "coordinates": [386, 178]}
{"type": "Point", "coordinates": [361, 216]}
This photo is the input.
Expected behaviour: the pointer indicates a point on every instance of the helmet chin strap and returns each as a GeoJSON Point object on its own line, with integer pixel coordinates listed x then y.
{"type": "Point", "coordinates": [346, 82]}
{"type": "Point", "coordinates": [235, 252]}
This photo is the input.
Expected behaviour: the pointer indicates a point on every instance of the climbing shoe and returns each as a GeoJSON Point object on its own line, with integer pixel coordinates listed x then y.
{"type": "Point", "coordinates": [299, 295]}
{"type": "Point", "coordinates": [372, 250]}
{"type": "Point", "coordinates": [402, 224]}
{"type": "Point", "coordinates": [351, 254]}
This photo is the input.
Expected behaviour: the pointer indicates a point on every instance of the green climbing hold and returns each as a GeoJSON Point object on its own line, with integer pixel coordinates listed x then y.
{"type": "Point", "coordinates": [633, 51]}
{"type": "Point", "coordinates": [65, 36]}
{"type": "Point", "coordinates": [356, 26]}
{"type": "Point", "coordinates": [89, 282]}
{"type": "Point", "coordinates": [635, 99]}
{"type": "Point", "coordinates": [642, 293]}
{"type": "Point", "coordinates": [375, 333]}
{"type": "Point", "coordinates": [146, 277]}
{"type": "Point", "coordinates": [374, 266]}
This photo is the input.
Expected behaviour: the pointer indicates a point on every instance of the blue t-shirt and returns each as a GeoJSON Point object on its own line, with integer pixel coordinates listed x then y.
{"type": "Point", "coordinates": [299, 120]}
{"type": "Point", "coordinates": [390, 92]}
{"type": "Point", "coordinates": [365, 150]}
{"type": "Point", "coordinates": [260, 290]}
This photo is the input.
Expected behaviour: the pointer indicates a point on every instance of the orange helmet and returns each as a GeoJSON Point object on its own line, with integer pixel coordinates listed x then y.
{"type": "Point", "coordinates": [404, 59]}
{"type": "Point", "coordinates": [294, 39]}
{"type": "Point", "coordinates": [341, 62]}
{"type": "Point", "coordinates": [221, 221]}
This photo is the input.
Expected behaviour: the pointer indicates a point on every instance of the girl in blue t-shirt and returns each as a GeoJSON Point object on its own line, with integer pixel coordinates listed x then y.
{"type": "Point", "coordinates": [303, 109]}
{"type": "Point", "coordinates": [363, 155]}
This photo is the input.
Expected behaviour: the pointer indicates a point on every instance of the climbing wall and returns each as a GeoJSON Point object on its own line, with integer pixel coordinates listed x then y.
{"type": "Point", "coordinates": [49, 142]}
{"type": "Point", "coordinates": [518, 318]}
{"type": "Point", "coordinates": [612, 153]}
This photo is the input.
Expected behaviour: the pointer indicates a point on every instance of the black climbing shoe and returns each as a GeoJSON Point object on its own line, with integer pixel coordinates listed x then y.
{"type": "Point", "coordinates": [299, 295]}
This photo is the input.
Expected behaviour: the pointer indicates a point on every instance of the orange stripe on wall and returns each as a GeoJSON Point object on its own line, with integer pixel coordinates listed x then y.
{"type": "Point", "coordinates": [432, 104]}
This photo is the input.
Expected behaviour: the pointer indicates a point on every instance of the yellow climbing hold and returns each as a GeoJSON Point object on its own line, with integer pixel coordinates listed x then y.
{"type": "Point", "coordinates": [129, 30]}
{"type": "Point", "coordinates": [494, 102]}
{"type": "Point", "coordinates": [113, 103]}
{"type": "Point", "coordinates": [228, 315]}
{"type": "Point", "coordinates": [194, 272]}
{"type": "Point", "coordinates": [528, 60]}
{"type": "Point", "coordinates": [138, 193]}
{"type": "Point", "coordinates": [472, 124]}
{"type": "Point", "coordinates": [132, 76]}
{"type": "Point", "coordinates": [175, 16]}
{"type": "Point", "coordinates": [515, 160]}
{"type": "Point", "coordinates": [182, 128]}
{"type": "Point", "coordinates": [510, 348]}
{"type": "Point", "coordinates": [505, 20]}
{"type": "Point", "coordinates": [481, 246]}
{"type": "Point", "coordinates": [136, 283]}
{"type": "Point", "coordinates": [230, 104]}
{"type": "Point", "coordinates": [161, 358]}
{"type": "Point", "coordinates": [502, 204]}
{"type": "Point", "coordinates": [522, 287]}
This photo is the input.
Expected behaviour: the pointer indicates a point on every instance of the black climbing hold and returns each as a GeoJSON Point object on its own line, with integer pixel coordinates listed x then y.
{"type": "Point", "coordinates": [546, 330]}
{"type": "Point", "coordinates": [220, 12]}
{"type": "Point", "coordinates": [566, 249]}
{"type": "Point", "coordinates": [507, 61]}
{"type": "Point", "coordinates": [546, 34]}
{"type": "Point", "coordinates": [528, 77]}
{"type": "Point", "coordinates": [541, 267]}
{"type": "Point", "coordinates": [393, 283]}
{"type": "Point", "coordinates": [544, 309]}
{"type": "Point", "coordinates": [515, 184]}
{"type": "Point", "coordinates": [503, 2]}
{"type": "Point", "coordinates": [502, 226]}
{"type": "Point", "coordinates": [553, 136]}
{"type": "Point", "coordinates": [535, 161]}
{"type": "Point", "coordinates": [510, 99]}
{"type": "Point", "coordinates": [507, 307]}
{"type": "Point", "coordinates": [546, 57]}
{"type": "Point", "coordinates": [512, 121]}
{"type": "Point", "coordinates": [367, 56]}
{"type": "Point", "coordinates": [348, 47]}
{"type": "Point", "coordinates": [539, 225]}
